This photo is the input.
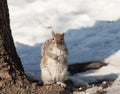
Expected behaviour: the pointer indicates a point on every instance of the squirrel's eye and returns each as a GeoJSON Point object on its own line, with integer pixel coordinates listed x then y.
{"type": "Point", "coordinates": [52, 38]}
{"type": "Point", "coordinates": [61, 38]}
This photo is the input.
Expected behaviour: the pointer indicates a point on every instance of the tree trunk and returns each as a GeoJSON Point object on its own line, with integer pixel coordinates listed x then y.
{"type": "Point", "coordinates": [8, 54]}
{"type": "Point", "coordinates": [11, 69]}
{"type": "Point", "coordinates": [12, 77]}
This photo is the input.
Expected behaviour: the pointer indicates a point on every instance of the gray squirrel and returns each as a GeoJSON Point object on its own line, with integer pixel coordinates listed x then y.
{"type": "Point", "coordinates": [54, 60]}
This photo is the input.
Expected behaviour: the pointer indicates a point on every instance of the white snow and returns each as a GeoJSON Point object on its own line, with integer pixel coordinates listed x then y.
{"type": "Point", "coordinates": [92, 90]}
{"type": "Point", "coordinates": [92, 33]}
{"type": "Point", "coordinates": [30, 18]}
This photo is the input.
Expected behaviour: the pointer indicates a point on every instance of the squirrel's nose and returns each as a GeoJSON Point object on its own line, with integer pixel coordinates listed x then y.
{"type": "Point", "coordinates": [57, 41]}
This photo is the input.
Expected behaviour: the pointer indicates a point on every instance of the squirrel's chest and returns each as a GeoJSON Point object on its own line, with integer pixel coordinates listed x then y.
{"type": "Point", "coordinates": [57, 51]}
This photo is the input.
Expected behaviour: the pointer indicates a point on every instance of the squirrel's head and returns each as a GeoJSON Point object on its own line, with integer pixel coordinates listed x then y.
{"type": "Point", "coordinates": [57, 38]}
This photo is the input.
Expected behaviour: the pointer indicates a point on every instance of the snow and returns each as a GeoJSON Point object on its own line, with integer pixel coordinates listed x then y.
{"type": "Point", "coordinates": [92, 90]}
{"type": "Point", "coordinates": [114, 61]}
{"type": "Point", "coordinates": [115, 88]}
{"type": "Point", "coordinates": [92, 76]}
{"type": "Point", "coordinates": [92, 32]}
{"type": "Point", "coordinates": [28, 16]}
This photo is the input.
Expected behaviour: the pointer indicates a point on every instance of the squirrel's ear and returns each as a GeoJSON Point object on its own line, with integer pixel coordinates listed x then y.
{"type": "Point", "coordinates": [62, 33]}
{"type": "Point", "coordinates": [53, 33]}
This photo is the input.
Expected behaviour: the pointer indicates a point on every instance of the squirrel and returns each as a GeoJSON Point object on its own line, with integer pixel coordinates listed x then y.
{"type": "Point", "coordinates": [54, 60]}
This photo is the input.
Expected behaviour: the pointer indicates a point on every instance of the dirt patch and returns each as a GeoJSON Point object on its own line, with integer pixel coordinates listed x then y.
{"type": "Point", "coordinates": [81, 67]}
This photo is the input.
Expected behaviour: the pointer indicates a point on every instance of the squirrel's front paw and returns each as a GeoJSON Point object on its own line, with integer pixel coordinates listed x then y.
{"type": "Point", "coordinates": [61, 84]}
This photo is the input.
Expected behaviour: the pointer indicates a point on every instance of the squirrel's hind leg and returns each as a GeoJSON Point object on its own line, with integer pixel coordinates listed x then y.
{"type": "Point", "coordinates": [46, 76]}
